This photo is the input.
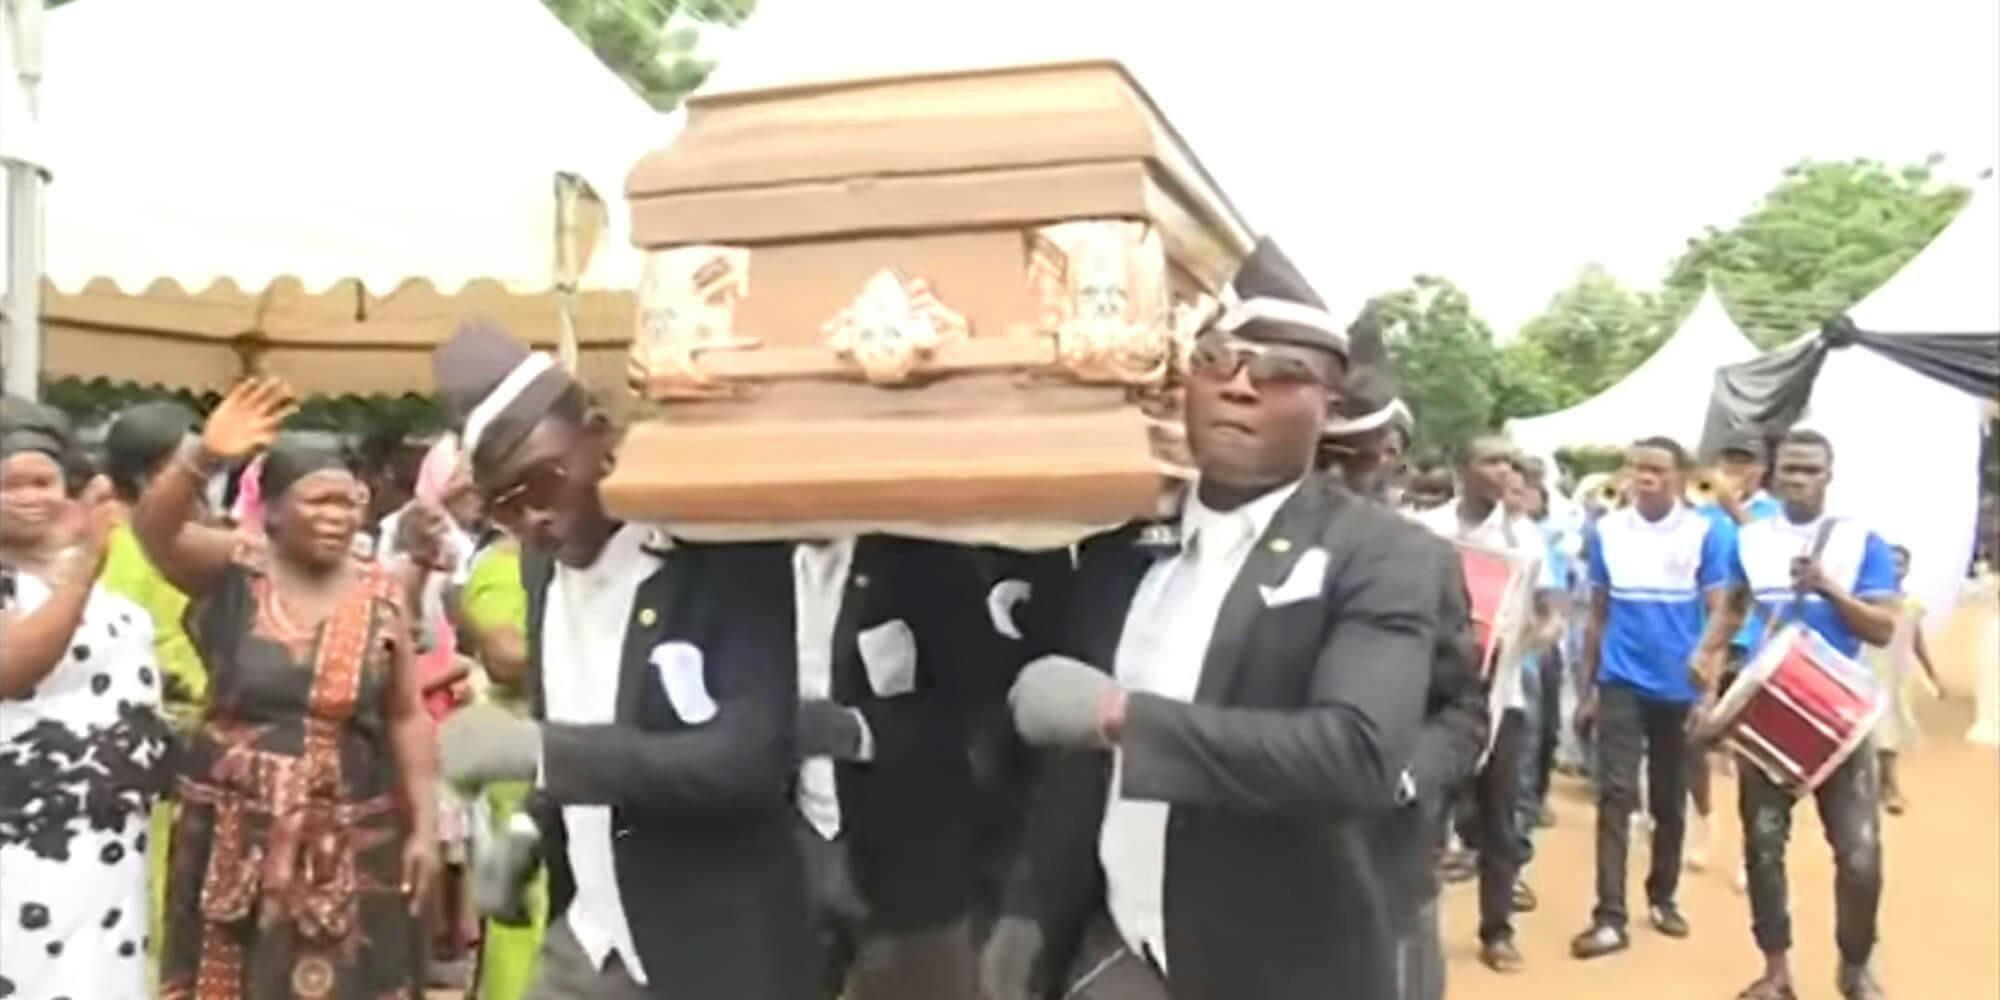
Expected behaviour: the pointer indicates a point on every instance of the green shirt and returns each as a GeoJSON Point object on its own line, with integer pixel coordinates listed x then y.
{"type": "Point", "coordinates": [493, 596]}
{"type": "Point", "coordinates": [129, 574]}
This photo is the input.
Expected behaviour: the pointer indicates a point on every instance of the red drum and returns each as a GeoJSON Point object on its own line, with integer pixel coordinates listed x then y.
{"type": "Point", "coordinates": [1799, 709]}
{"type": "Point", "coordinates": [1501, 585]}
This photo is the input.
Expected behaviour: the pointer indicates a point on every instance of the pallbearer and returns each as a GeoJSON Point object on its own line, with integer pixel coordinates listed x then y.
{"type": "Point", "coordinates": [665, 691]}
{"type": "Point", "coordinates": [893, 635]}
{"type": "Point", "coordinates": [1231, 703]}
{"type": "Point", "coordinates": [1365, 444]}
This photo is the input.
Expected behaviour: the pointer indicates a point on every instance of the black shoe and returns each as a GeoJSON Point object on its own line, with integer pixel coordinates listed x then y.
{"type": "Point", "coordinates": [1501, 956]}
{"type": "Point", "coordinates": [1667, 920]}
{"type": "Point", "coordinates": [1524, 898]}
{"type": "Point", "coordinates": [1857, 983]}
{"type": "Point", "coordinates": [1598, 941]}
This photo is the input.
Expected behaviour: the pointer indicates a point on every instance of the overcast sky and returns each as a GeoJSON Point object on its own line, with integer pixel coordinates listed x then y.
{"type": "Point", "coordinates": [1505, 145]}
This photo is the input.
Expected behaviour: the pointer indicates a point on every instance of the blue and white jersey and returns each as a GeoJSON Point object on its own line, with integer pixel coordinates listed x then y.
{"type": "Point", "coordinates": [1854, 557]}
{"type": "Point", "coordinates": [1760, 506]}
{"type": "Point", "coordinates": [1656, 576]}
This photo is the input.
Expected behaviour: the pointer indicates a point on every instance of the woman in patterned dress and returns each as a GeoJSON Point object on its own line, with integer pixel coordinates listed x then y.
{"type": "Point", "coordinates": [305, 838]}
{"type": "Point", "coordinates": [82, 741]}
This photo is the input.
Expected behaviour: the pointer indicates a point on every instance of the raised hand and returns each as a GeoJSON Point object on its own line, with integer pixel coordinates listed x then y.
{"type": "Point", "coordinates": [247, 420]}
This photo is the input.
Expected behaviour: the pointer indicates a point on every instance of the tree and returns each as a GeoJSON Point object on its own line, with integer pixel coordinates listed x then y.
{"type": "Point", "coordinates": [1825, 237]}
{"type": "Point", "coordinates": [1445, 360]}
{"type": "Point", "coordinates": [640, 42]}
{"type": "Point", "coordinates": [1591, 335]}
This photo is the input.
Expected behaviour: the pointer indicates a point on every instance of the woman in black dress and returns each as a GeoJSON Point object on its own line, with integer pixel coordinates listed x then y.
{"type": "Point", "coordinates": [306, 832]}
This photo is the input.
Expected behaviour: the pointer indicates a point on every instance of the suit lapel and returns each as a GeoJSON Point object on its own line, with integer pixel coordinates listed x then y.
{"type": "Point", "coordinates": [652, 609]}
{"type": "Point", "coordinates": [1295, 529]}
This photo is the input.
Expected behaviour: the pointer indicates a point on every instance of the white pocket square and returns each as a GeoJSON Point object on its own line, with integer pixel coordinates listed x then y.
{"type": "Point", "coordinates": [680, 667]}
{"type": "Point", "coordinates": [1305, 581]}
{"type": "Point", "coordinates": [889, 655]}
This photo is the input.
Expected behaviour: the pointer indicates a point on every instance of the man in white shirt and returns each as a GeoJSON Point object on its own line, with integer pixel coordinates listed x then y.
{"type": "Point", "coordinates": [1480, 516]}
{"type": "Point", "coordinates": [1230, 703]}
{"type": "Point", "coordinates": [665, 695]}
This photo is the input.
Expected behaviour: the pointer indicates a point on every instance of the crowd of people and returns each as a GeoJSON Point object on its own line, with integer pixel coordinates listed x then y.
{"type": "Point", "coordinates": [264, 748]}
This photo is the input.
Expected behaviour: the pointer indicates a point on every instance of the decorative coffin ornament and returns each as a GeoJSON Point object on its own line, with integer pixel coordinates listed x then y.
{"type": "Point", "coordinates": [974, 294]}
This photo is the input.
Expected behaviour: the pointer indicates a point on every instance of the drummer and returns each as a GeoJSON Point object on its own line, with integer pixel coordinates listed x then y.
{"type": "Point", "coordinates": [1658, 568]}
{"type": "Point", "coordinates": [1837, 578]}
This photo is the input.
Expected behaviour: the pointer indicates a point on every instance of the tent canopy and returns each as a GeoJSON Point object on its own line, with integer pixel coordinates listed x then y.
{"type": "Point", "coordinates": [1907, 447]}
{"type": "Point", "coordinates": [1661, 396]}
{"type": "Point", "coordinates": [325, 185]}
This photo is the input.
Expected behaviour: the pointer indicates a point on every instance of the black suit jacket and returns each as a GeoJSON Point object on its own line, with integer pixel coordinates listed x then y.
{"type": "Point", "coordinates": [1306, 714]}
{"type": "Point", "coordinates": [1449, 745]}
{"type": "Point", "coordinates": [708, 870]}
{"type": "Point", "coordinates": [908, 815]}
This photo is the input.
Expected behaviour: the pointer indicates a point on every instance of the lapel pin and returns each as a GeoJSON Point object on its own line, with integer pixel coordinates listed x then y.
{"type": "Point", "coordinates": [648, 617]}
{"type": "Point", "coordinates": [861, 580]}
{"type": "Point", "coordinates": [1281, 545]}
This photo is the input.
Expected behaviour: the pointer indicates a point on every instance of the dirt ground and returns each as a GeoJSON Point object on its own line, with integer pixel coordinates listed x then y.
{"type": "Point", "coordinates": [1940, 916]}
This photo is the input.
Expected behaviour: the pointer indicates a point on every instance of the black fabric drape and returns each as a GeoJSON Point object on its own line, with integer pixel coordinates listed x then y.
{"type": "Point", "coordinates": [1770, 393]}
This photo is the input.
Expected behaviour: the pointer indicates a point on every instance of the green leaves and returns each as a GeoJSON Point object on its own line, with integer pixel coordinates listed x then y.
{"type": "Point", "coordinates": [1824, 238]}
{"type": "Point", "coordinates": [650, 44]}
{"type": "Point", "coordinates": [1828, 235]}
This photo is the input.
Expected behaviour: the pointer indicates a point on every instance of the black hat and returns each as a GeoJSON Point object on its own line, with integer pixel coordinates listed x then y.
{"type": "Point", "coordinates": [1270, 302]}
{"type": "Point", "coordinates": [495, 389]}
{"type": "Point", "coordinates": [140, 438]}
{"type": "Point", "coordinates": [26, 425]}
{"type": "Point", "coordinates": [1368, 398]}
{"type": "Point", "coordinates": [1748, 442]}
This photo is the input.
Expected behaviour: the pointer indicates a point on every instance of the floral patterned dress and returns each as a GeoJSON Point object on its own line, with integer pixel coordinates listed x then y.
{"type": "Point", "coordinates": [287, 853]}
{"type": "Point", "coordinates": [82, 759]}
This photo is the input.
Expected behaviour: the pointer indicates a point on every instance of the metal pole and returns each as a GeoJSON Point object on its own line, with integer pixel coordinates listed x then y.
{"type": "Point", "coordinates": [23, 360]}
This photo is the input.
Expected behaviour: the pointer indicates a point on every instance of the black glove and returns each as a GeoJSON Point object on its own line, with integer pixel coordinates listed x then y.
{"type": "Point", "coordinates": [827, 729]}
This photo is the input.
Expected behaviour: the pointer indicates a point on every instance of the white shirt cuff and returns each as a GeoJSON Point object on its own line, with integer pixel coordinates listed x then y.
{"type": "Point", "coordinates": [866, 754]}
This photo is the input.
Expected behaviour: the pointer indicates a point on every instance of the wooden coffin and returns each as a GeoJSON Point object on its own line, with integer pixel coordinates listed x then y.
{"type": "Point", "coordinates": [953, 305]}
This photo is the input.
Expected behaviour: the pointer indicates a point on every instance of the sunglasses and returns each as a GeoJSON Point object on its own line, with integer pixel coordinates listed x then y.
{"type": "Point", "coordinates": [537, 488]}
{"type": "Point", "coordinates": [1220, 357]}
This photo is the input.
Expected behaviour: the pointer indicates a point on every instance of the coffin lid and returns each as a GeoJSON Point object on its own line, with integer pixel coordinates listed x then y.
{"type": "Point", "coordinates": [853, 131]}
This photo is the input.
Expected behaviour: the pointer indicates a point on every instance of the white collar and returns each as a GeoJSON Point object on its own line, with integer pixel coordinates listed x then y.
{"type": "Point", "coordinates": [1258, 513]}
{"type": "Point", "coordinates": [1668, 523]}
{"type": "Point", "coordinates": [625, 555]}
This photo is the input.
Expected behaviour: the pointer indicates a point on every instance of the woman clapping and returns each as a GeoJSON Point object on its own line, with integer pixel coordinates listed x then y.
{"type": "Point", "coordinates": [82, 741]}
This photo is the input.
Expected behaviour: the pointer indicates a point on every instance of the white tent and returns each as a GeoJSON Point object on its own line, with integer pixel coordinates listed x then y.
{"type": "Point", "coordinates": [1667, 394]}
{"type": "Point", "coordinates": [1906, 446]}
{"type": "Point", "coordinates": [325, 184]}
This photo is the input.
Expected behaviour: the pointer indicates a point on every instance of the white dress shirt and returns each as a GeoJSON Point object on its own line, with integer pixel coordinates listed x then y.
{"type": "Point", "coordinates": [583, 633]}
{"type": "Point", "coordinates": [1509, 534]}
{"type": "Point", "coordinates": [1160, 652]}
{"type": "Point", "coordinates": [819, 577]}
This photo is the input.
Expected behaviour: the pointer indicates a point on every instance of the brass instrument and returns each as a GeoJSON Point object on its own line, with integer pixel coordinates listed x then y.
{"type": "Point", "coordinates": [1710, 485]}
{"type": "Point", "coordinates": [1606, 489]}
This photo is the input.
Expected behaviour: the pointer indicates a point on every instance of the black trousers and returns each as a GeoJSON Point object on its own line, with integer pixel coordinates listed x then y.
{"type": "Point", "coordinates": [1630, 728]}
{"type": "Point", "coordinates": [1554, 679]}
{"type": "Point", "coordinates": [1488, 828]}
{"type": "Point", "coordinates": [1849, 810]}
